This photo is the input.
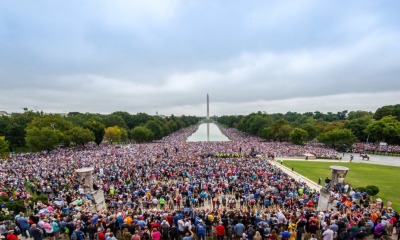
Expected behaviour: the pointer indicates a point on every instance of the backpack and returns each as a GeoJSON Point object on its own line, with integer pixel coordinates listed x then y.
{"type": "Point", "coordinates": [201, 229]}
{"type": "Point", "coordinates": [73, 236]}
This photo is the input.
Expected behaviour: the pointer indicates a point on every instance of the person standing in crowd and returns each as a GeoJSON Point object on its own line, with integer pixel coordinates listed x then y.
{"type": "Point", "coordinates": [239, 229]}
{"type": "Point", "coordinates": [134, 175]}
{"type": "Point", "coordinates": [23, 223]}
{"type": "Point", "coordinates": [35, 232]}
{"type": "Point", "coordinates": [327, 234]}
{"type": "Point", "coordinates": [188, 235]}
{"type": "Point", "coordinates": [79, 234]}
{"type": "Point", "coordinates": [156, 235]}
{"type": "Point", "coordinates": [11, 236]}
{"type": "Point", "coordinates": [201, 230]}
{"type": "Point", "coordinates": [220, 230]}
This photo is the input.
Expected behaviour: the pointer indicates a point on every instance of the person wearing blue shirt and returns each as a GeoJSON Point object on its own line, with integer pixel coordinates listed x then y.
{"type": "Point", "coordinates": [79, 234]}
{"type": "Point", "coordinates": [239, 229]}
{"type": "Point", "coordinates": [24, 224]}
{"type": "Point", "coordinates": [142, 224]}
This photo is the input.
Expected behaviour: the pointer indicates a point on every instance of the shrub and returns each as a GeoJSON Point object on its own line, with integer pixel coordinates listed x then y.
{"type": "Point", "coordinates": [16, 206]}
{"type": "Point", "coordinates": [4, 198]}
{"type": "Point", "coordinates": [372, 190]}
{"type": "Point", "coordinates": [361, 189]}
{"type": "Point", "coordinates": [4, 217]}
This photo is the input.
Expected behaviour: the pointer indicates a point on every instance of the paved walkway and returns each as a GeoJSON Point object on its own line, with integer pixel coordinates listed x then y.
{"type": "Point", "coordinates": [373, 159]}
{"type": "Point", "coordinates": [296, 175]}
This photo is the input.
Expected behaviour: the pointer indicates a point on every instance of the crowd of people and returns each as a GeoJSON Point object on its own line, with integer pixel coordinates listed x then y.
{"type": "Point", "coordinates": [361, 147]}
{"type": "Point", "coordinates": [172, 189]}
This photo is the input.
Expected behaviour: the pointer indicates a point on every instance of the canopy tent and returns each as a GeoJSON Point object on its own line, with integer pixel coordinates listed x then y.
{"type": "Point", "coordinates": [309, 156]}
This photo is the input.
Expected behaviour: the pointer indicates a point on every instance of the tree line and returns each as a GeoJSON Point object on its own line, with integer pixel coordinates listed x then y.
{"type": "Point", "coordinates": [339, 130]}
{"type": "Point", "coordinates": [37, 131]}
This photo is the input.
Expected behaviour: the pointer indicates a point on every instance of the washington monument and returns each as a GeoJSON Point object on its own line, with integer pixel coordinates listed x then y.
{"type": "Point", "coordinates": [208, 107]}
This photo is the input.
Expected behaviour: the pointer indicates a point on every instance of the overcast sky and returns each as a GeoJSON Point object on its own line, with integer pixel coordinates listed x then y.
{"type": "Point", "coordinates": [166, 55]}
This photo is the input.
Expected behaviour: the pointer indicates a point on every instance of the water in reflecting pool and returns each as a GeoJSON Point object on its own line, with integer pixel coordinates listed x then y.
{"type": "Point", "coordinates": [207, 132]}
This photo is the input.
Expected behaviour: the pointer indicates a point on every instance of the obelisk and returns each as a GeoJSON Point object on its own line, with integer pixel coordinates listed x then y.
{"type": "Point", "coordinates": [208, 107]}
{"type": "Point", "coordinates": [208, 118]}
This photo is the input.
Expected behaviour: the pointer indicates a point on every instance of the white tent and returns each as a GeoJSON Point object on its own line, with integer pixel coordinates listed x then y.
{"type": "Point", "coordinates": [309, 156]}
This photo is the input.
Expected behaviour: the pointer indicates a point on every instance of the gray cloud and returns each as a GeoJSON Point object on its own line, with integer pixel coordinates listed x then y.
{"type": "Point", "coordinates": [137, 56]}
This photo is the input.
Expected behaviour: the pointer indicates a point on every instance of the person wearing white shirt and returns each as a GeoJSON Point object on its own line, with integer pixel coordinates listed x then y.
{"type": "Point", "coordinates": [328, 233]}
{"type": "Point", "coordinates": [181, 226]}
{"type": "Point", "coordinates": [188, 224]}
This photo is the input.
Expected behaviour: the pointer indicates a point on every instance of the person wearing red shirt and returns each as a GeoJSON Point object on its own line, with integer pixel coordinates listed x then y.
{"type": "Point", "coordinates": [170, 219]}
{"type": "Point", "coordinates": [11, 236]}
{"type": "Point", "coordinates": [100, 234]}
{"type": "Point", "coordinates": [220, 230]}
{"type": "Point", "coordinates": [155, 224]}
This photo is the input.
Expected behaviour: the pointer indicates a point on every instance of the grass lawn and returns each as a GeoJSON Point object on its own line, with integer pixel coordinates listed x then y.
{"type": "Point", "coordinates": [386, 178]}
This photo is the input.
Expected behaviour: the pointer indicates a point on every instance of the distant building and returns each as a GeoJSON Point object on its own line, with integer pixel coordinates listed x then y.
{"type": "Point", "coordinates": [61, 114]}
{"type": "Point", "coordinates": [4, 113]}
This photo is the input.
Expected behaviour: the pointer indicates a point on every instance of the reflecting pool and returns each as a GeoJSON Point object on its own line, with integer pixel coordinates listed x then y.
{"type": "Point", "coordinates": [207, 132]}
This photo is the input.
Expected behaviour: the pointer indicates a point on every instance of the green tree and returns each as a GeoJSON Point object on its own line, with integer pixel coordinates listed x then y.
{"type": "Point", "coordinates": [153, 126]}
{"type": "Point", "coordinates": [172, 125]}
{"type": "Point", "coordinates": [358, 126]}
{"type": "Point", "coordinates": [390, 110]}
{"type": "Point", "coordinates": [15, 131]}
{"type": "Point", "coordinates": [229, 121]}
{"type": "Point", "coordinates": [311, 130]}
{"type": "Point", "coordinates": [291, 116]}
{"type": "Point", "coordinates": [45, 138]}
{"type": "Point", "coordinates": [140, 119]}
{"type": "Point", "coordinates": [342, 115]}
{"type": "Point", "coordinates": [386, 129]}
{"type": "Point", "coordinates": [80, 119]}
{"type": "Point", "coordinates": [298, 136]}
{"type": "Point", "coordinates": [53, 121]}
{"type": "Point", "coordinates": [80, 136]}
{"type": "Point", "coordinates": [4, 122]}
{"type": "Point", "coordinates": [113, 134]}
{"type": "Point", "coordinates": [97, 128]}
{"type": "Point", "coordinates": [279, 130]}
{"type": "Point", "coordinates": [338, 138]}
{"type": "Point", "coordinates": [359, 114]}
{"type": "Point", "coordinates": [4, 147]}
{"type": "Point", "coordinates": [307, 123]}
{"type": "Point", "coordinates": [114, 120]}
{"type": "Point", "coordinates": [257, 123]}
{"type": "Point", "coordinates": [124, 135]}
{"type": "Point", "coordinates": [142, 134]}
{"type": "Point", "coordinates": [127, 117]}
